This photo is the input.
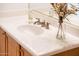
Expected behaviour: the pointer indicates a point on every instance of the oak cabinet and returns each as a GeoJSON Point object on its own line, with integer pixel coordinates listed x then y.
{"type": "Point", "coordinates": [2, 43]}
{"type": "Point", "coordinates": [12, 47]}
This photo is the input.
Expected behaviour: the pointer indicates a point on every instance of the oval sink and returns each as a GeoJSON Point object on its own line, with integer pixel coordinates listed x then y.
{"type": "Point", "coordinates": [31, 28]}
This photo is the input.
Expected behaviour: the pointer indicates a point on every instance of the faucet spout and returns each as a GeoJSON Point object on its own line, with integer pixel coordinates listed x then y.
{"type": "Point", "coordinates": [43, 24]}
{"type": "Point", "coordinates": [37, 22]}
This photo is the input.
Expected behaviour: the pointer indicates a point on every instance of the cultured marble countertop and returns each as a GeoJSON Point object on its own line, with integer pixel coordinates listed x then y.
{"type": "Point", "coordinates": [42, 41]}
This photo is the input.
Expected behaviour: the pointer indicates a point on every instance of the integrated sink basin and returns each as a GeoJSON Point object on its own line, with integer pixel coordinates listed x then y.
{"type": "Point", "coordinates": [34, 29]}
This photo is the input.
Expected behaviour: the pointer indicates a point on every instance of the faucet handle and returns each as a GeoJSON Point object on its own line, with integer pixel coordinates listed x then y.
{"type": "Point", "coordinates": [43, 24]}
{"type": "Point", "coordinates": [47, 25]}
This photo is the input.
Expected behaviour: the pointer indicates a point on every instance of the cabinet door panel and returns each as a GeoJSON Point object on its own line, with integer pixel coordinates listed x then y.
{"type": "Point", "coordinates": [2, 43]}
{"type": "Point", "coordinates": [13, 47]}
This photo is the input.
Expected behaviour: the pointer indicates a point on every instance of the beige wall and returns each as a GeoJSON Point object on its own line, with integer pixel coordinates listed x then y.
{"type": "Point", "coordinates": [13, 9]}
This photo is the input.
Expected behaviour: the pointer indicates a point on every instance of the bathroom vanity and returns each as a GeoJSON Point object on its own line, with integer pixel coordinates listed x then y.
{"type": "Point", "coordinates": [9, 47]}
{"type": "Point", "coordinates": [18, 38]}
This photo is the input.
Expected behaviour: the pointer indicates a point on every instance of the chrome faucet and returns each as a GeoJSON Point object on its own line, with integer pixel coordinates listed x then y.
{"type": "Point", "coordinates": [38, 21]}
{"type": "Point", "coordinates": [43, 24]}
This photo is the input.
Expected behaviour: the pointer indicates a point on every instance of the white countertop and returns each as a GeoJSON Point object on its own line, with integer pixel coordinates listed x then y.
{"type": "Point", "coordinates": [43, 43]}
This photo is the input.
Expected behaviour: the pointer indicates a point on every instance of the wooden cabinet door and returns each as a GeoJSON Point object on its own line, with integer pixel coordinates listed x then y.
{"type": "Point", "coordinates": [13, 47]}
{"type": "Point", "coordinates": [2, 43]}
